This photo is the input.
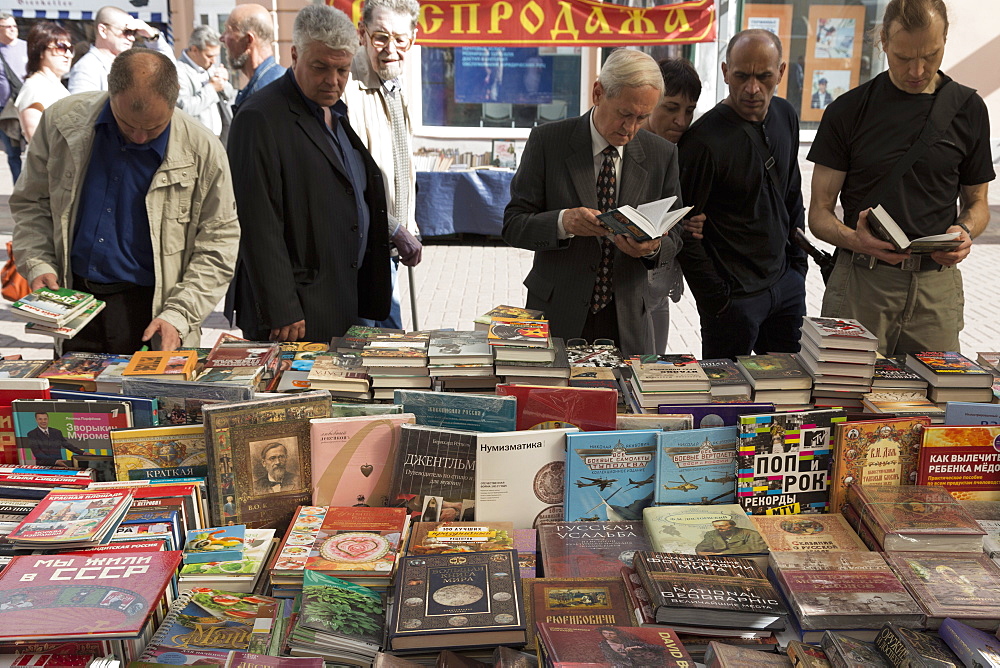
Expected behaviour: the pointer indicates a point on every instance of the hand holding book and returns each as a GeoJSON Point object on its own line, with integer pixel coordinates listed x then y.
{"type": "Point", "coordinates": [951, 258]}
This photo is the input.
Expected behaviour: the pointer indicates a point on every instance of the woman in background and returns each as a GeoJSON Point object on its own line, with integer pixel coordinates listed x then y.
{"type": "Point", "coordinates": [50, 53]}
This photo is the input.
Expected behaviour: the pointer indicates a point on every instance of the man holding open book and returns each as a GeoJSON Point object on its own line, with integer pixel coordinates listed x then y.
{"type": "Point", "coordinates": [910, 142]}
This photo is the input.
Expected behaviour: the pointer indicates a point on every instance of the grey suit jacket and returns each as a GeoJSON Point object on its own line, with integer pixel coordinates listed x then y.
{"type": "Point", "coordinates": [557, 172]}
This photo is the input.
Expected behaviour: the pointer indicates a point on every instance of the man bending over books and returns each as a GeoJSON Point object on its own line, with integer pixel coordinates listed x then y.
{"type": "Point", "coordinates": [867, 151]}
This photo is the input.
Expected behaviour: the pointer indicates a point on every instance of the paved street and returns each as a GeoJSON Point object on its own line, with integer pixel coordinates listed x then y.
{"type": "Point", "coordinates": [455, 283]}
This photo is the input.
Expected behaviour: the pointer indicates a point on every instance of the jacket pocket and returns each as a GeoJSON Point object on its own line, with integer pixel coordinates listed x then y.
{"type": "Point", "coordinates": [539, 286]}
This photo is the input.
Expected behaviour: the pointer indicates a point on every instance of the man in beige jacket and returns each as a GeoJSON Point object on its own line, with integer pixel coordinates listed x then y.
{"type": "Point", "coordinates": [128, 198]}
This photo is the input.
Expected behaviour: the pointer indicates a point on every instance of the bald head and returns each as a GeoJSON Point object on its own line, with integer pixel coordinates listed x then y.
{"type": "Point", "coordinates": [142, 73]}
{"type": "Point", "coordinates": [111, 33]}
{"type": "Point", "coordinates": [252, 18]}
{"type": "Point", "coordinates": [248, 36]}
{"type": "Point", "coordinates": [110, 15]}
{"type": "Point", "coordinates": [765, 37]}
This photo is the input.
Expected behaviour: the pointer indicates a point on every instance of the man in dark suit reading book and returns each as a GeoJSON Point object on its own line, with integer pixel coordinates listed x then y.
{"type": "Point", "coordinates": [587, 283]}
{"type": "Point", "coordinates": [47, 443]}
{"type": "Point", "coordinates": [912, 302]}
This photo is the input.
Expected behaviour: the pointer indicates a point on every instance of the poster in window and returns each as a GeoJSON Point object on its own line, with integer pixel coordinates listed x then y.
{"type": "Point", "coordinates": [833, 56]}
{"type": "Point", "coordinates": [776, 19]}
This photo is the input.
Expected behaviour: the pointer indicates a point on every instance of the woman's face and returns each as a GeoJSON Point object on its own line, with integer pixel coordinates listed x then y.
{"type": "Point", "coordinates": [58, 57]}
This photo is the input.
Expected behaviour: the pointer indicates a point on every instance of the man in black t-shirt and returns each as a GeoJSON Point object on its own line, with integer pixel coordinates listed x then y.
{"type": "Point", "coordinates": [747, 278]}
{"type": "Point", "coordinates": [911, 302]}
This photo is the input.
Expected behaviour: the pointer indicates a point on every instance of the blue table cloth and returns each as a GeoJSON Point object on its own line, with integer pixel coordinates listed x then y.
{"type": "Point", "coordinates": [462, 202]}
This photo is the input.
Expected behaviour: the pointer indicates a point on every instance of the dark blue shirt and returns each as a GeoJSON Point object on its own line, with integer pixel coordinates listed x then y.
{"type": "Point", "coordinates": [111, 242]}
{"type": "Point", "coordinates": [267, 72]}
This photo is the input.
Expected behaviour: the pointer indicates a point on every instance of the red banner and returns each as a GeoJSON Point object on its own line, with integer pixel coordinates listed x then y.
{"type": "Point", "coordinates": [555, 22]}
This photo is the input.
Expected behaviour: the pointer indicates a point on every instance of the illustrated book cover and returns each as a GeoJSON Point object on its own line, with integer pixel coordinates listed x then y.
{"type": "Point", "coordinates": [458, 537]}
{"type": "Point", "coordinates": [721, 529]}
{"type": "Point", "coordinates": [582, 601]}
{"type": "Point", "coordinates": [575, 645]}
{"type": "Point", "coordinates": [434, 475]}
{"type": "Point", "coordinates": [160, 452]}
{"type": "Point", "coordinates": [963, 460]}
{"type": "Point", "coordinates": [905, 646]}
{"type": "Point", "coordinates": [812, 533]}
{"type": "Point", "coordinates": [359, 542]}
{"type": "Point", "coordinates": [609, 475]}
{"type": "Point", "coordinates": [965, 587]}
{"type": "Point", "coordinates": [590, 549]}
{"type": "Point", "coordinates": [697, 466]}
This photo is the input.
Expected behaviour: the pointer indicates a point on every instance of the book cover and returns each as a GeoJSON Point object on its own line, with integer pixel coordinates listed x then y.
{"type": "Point", "coordinates": [576, 645]}
{"type": "Point", "coordinates": [725, 377]}
{"type": "Point", "coordinates": [457, 411]}
{"type": "Point", "coordinates": [680, 372]}
{"type": "Point", "coordinates": [189, 634]}
{"type": "Point", "coordinates": [143, 409]}
{"type": "Point", "coordinates": [21, 368]}
{"type": "Point", "coordinates": [75, 516]}
{"type": "Point", "coordinates": [166, 364]}
{"type": "Point", "coordinates": [806, 656]}
{"type": "Point", "coordinates": [260, 466]}
{"type": "Point", "coordinates": [963, 460]}
{"type": "Point", "coordinates": [503, 311]}
{"type": "Point", "coordinates": [815, 533]}
{"type": "Point", "coordinates": [590, 549]}
{"type": "Point", "coordinates": [973, 647]}
{"type": "Point", "coordinates": [361, 542]}
{"type": "Point", "coordinates": [905, 647]}
{"type": "Point", "coordinates": [609, 475]}
{"type": "Point", "coordinates": [80, 366]}
{"type": "Point", "coordinates": [458, 537]}
{"type": "Point", "coordinates": [948, 369]}
{"type": "Point", "coordinates": [723, 529]}
{"type": "Point", "coordinates": [331, 367]}
{"type": "Point", "coordinates": [214, 544]}
{"type": "Point", "coordinates": [341, 609]}
{"type": "Point", "coordinates": [839, 333]}
{"type": "Point", "coordinates": [914, 511]}
{"type": "Point", "coordinates": [844, 651]}
{"type": "Point", "coordinates": [716, 415]}
{"type": "Point", "coordinates": [357, 336]}
{"type": "Point", "coordinates": [902, 403]}
{"type": "Point", "coordinates": [881, 452]}
{"type": "Point", "coordinates": [352, 458]}
{"type": "Point", "coordinates": [581, 353]}
{"type": "Point", "coordinates": [582, 601]}
{"type": "Point", "coordinates": [723, 655]}
{"type": "Point", "coordinates": [227, 354]}
{"type": "Point", "coordinates": [783, 464]}
{"type": "Point", "coordinates": [970, 413]}
{"type": "Point", "coordinates": [965, 587]}
{"type": "Point", "coordinates": [258, 545]}
{"type": "Point", "coordinates": [179, 401]}
{"type": "Point", "coordinates": [696, 466]}
{"type": "Point", "coordinates": [51, 305]}
{"type": "Point", "coordinates": [70, 597]}
{"type": "Point", "coordinates": [843, 590]}
{"type": "Point", "coordinates": [893, 372]}
{"type": "Point", "coordinates": [777, 371]}
{"type": "Point", "coordinates": [445, 348]}
{"type": "Point", "coordinates": [434, 474]}
{"type": "Point", "coordinates": [520, 476]}
{"type": "Point", "coordinates": [586, 408]}
{"type": "Point", "coordinates": [160, 452]}
{"type": "Point", "coordinates": [448, 595]}
{"type": "Point", "coordinates": [519, 332]}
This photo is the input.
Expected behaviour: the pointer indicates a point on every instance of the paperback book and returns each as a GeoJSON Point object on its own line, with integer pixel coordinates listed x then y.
{"type": "Point", "coordinates": [646, 222]}
{"type": "Point", "coordinates": [55, 306]}
{"type": "Point", "coordinates": [696, 466]}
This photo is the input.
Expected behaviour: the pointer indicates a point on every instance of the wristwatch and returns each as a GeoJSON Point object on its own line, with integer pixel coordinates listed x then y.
{"type": "Point", "coordinates": [966, 228]}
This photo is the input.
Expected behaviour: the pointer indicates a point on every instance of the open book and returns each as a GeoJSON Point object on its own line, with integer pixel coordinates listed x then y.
{"type": "Point", "coordinates": [884, 227]}
{"type": "Point", "coordinates": [648, 221]}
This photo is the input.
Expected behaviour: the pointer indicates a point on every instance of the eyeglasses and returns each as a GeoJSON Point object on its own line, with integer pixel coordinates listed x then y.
{"type": "Point", "coordinates": [125, 32]}
{"type": "Point", "coordinates": [61, 47]}
{"type": "Point", "coordinates": [5, 26]}
{"type": "Point", "coordinates": [381, 39]}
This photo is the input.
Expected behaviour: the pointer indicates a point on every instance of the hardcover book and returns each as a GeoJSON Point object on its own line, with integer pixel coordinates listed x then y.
{"type": "Point", "coordinates": [906, 647]}
{"type": "Point", "coordinates": [806, 656]}
{"type": "Point", "coordinates": [160, 452]}
{"type": "Point", "coordinates": [338, 371]}
{"type": "Point", "coordinates": [458, 537]}
{"type": "Point", "coordinates": [520, 476]}
{"type": "Point", "coordinates": [581, 601]}
{"type": "Point", "coordinates": [586, 408]}
{"type": "Point", "coordinates": [352, 458]}
{"type": "Point", "coordinates": [963, 460]}
{"type": "Point", "coordinates": [843, 590]}
{"type": "Point", "coordinates": [357, 336]}
{"type": "Point", "coordinates": [971, 413]}
{"type": "Point", "coordinates": [844, 651]}
{"type": "Point", "coordinates": [518, 332]}
{"type": "Point", "coordinates": [609, 475]}
{"type": "Point", "coordinates": [71, 519]}
{"type": "Point", "coordinates": [590, 549]}
{"type": "Point", "coordinates": [972, 646]}
{"type": "Point", "coordinates": [22, 368]}
{"type": "Point", "coordinates": [339, 613]}
{"type": "Point", "coordinates": [669, 373]}
{"type": "Point", "coordinates": [722, 655]}
{"type": "Point", "coordinates": [215, 544]}
{"type": "Point", "coordinates": [777, 371]}
{"type": "Point", "coordinates": [157, 364]}
{"type": "Point", "coordinates": [882, 452]}
{"type": "Point", "coordinates": [260, 466]}
{"type": "Point", "coordinates": [458, 600]}
{"type": "Point", "coordinates": [892, 372]}
{"type": "Point", "coordinates": [965, 587]}
{"type": "Point", "coordinates": [717, 415]}
{"type": "Point", "coordinates": [456, 411]}
{"type": "Point", "coordinates": [581, 353]}
{"type": "Point", "coordinates": [361, 543]}
{"type": "Point", "coordinates": [143, 409]}
{"type": "Point", "coordinates": [723, 529]}
{"type": "Point", "coordinates": [838, 333]}
{"type": "Point", "coordinates": [483, 321]}
{"type": "Point", "coordinates": [80, 369]}
{"type": "Point", "coordinates": [901, 403]}
{"type": "Point", "coordinates": [725, 377]}
{"type": "Point", "coordinates": [949, 369]}
{"type": "Point", "coordinates": [434, 474]}
{"type": "Point", "coordinates": [697, 466]}
{"type": "Point", "coordinates": [784, 462]}
{"type": "Point", "coordinates": [566, 645]}
{"type": "Point", "coordinates": [815, 533]}
{"type": "Point", "coordinates": [179, 401]}
{"type": "Point", "coordinates": [448, 348]}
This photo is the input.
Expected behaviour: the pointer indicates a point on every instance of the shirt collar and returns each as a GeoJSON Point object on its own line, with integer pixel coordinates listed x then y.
{"type": "Point", "coordinates": [187, 59]}
{"type": "Point", "coordinates": [107, 118]}
{"type": "Point", "coordinates": [598, 142]}
{"type": "Point", "coordinates": [337, 110]}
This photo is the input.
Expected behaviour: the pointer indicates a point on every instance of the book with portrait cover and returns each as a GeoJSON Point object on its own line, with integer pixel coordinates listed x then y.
{"type": "Point", "coordinates": [566, 645]}
{"type": "Point", "coordinates": [965, 587]}
{"type": "Point", "coordinates": [904, 646]}
{"type": "Point", "coordinates": [587, 601]}
{"type": "Point", "coordinates": [259, 459]}
{"type": "Point", "coordinates": [352, 458]}
{"type": "Point", "coordinates": [783, 463]}
{"type": "Point", "coordinates": [875, 452]}
{"type": "Point", "coordinates": [448, 601]}
{"type": "Point", "coordinates": [843, 590]}
{"type": "Point", "coordinates": [963, 460]}
{"type": "Point", "coordinates": [160, 452]}
{"type": "Point", "coordinates": [590, 549]}
{"type": "Point", "coordinates": [609, 475]}
{"type": "Point", "coordinates": [434, 473]}
{"type": "Point", "coordinates": [697, 466]}
{"type": "Point", "coordinates": [41, 599]}
{"type": "Point", "coordinates": [815, 533]}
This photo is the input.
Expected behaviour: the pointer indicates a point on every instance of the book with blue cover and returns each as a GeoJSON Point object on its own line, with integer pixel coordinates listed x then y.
{"type": "Point", "coordinates": [717, 415]}
{"type": "Point", "coordinates": [609, 475]}
{"type": "Point", "coordinates": [697, 466]}
{"type": "Point", "coordinates": [448, 410]}
{"type": "Point", "coordinates": [962, 413]}
{"type": "Point", "coordinates": [973, 647]}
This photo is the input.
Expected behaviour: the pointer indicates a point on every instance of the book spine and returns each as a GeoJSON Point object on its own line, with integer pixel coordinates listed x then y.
{"type": "Point", "coordinates": [161, 634]}
{"type": "Point", "coordinates": [895, 649]}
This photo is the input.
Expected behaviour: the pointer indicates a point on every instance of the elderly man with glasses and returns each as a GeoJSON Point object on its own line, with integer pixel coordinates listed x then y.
{"type": "Point", "coordinates": [378, 112]}
{"type": "Point", "coordinates": [114, 31]}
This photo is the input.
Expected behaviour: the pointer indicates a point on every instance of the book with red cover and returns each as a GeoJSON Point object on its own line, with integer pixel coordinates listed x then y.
{"type": "Point", "coordinates": [542, 407]}
{"type": "Point", "coordinates": [72, 519]}
{"type": "Point", "coordinates": [69, 597]}
{"type": "Point", "coordinates": [575, 646]}
{"type": "Point", "coordinates": [359, 542]}
{"type": "Point", "coordinates": [585, 601]}
{"type": "Point", "coordinates": [518, 332]}
{"type": "Point", "coordinates": [590, 549]}
{"type": "Point", "coordinates": [962, 459]}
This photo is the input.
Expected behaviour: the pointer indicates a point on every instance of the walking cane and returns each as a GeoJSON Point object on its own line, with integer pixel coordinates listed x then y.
{"type": "Point", "coordinates": [413, 298]}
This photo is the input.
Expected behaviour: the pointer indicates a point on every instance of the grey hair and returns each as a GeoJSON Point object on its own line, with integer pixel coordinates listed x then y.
{"type": "Point", "coordinates": [326, 25]}
{"type": "Point", "coordinates": [629, 68]}
{"type": "Point", "coordinates": [409, 8]}
{"type": "Point", "coordinates": [145, 70]}
{"type": "Point", "coordinates": [203, 36]}
{"type": "Point", "coordinates": [5, 15]}
{"type": "Point", "coordinates": [107, 13]}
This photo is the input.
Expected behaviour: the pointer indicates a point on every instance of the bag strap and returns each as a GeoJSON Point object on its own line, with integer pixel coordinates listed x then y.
{"type": "Point", "coordinates": [12, 79]}
{"type": "Point", "coordinates": [765, 154]}
{"type": "Point", "coordinates": [949, 99]}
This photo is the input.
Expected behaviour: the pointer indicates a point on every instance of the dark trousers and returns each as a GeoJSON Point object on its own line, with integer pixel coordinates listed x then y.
{"type": "Point", "coordinates": [118, 328]}
{"type": "Point", "coordinates": [602, 325]}
{"type": "Point", "coordinates": [767, 322]}
{"type": "Point", "coordinates": [13, 155]}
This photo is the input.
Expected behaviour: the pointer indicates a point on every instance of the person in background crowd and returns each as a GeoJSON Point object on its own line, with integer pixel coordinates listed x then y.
{"type": "Point", "coordinates": [248, 38]}
{"type": "Point", "coordinates": [821, 99]}
{"type": "Point", "coordinates": [670, 119]}
{"type": "Point", "coordinates": [49, 54]}
{"type": "Point", "coordinates": [14, 52]}
{"type": "Point", "coordinates": [114, 31]}
{"type": "Point", "coordinates": [589, 284]}
{"type": "Point", "coordinates": [747, 276]}
{"type": "Point", "coordinates": [143, 172]}
{"type": "Point", "coordinates": [206, 92]}
{"type": "Point", "coordinates": [311, 200]}
{"type": "Point", "coordinates": [379, 115]}
{"type": "Point", "coordinates": [911, 302]}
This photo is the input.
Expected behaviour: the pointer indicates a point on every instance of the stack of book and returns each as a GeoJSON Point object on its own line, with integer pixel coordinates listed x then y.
{"type": "Point", "coordinates": [909, 403]}
{"type": "Point", "coordinates": [840, 355]}
{"type": "Point", "coordinates": [891, 374]}
{"type": "Point", "coordinates": [57, 312]}
{"type": "Point", "coordinates": [777, 378]}
{"type": "Point", "coordinates": [728, 384]}
{"type": "Point", "coordinates": [554, 373]}
{"type": "Point", "coordinates": [482, 323]}
{"type": "Point", "coordinates": [952, 377]}
{"type": "Point", "coordinates": [239, 575]}
{"type": "Point", "coordinates": [668, 379]}
{"type": "Point", "coordinates": [461, 361]}
{"type": "Point", "coordinates": [79, 371]}
{"type": "Point", "coordinates": [528, 343]}
{"type": "Point", "coordinates": [69, 520]}
{"type": "Point", "coordinates": [396, 361]}
{"type": "Point", "coordinates": [343, 374]}
{"type": "Point", "coordinates": [234, 360]}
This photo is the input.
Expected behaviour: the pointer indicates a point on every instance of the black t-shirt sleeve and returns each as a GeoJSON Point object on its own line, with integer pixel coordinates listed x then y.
{"type": "Point", "coordinates": [977, 167]}
{"type": "Point", "coordinates": [831, 147]}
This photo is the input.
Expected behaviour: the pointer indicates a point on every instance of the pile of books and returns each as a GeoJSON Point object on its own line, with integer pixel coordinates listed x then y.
{"type": "Point", "coordinates": [840, 355]}
{"type": "Point", "coordinates": [57, 312]}
{"type": "Point", "coordinates": [778, 379]}
{"type": "Point", "coordinates": [461, 361]}
{"type": "Point", "coordinates": [395, 361]}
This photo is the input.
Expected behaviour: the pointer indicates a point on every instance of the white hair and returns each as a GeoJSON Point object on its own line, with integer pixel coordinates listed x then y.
{"type": "Point", "coordinates": [326, 25]}
{"type": "Point", "coordinates": [629, 68]}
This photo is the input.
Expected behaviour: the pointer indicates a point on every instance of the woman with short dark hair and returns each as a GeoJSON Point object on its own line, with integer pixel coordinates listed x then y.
{"type": "Point", "coordinates": [50, 53]}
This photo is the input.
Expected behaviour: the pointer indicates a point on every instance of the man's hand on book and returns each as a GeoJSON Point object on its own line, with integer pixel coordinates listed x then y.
{"type": "Point", "coordinates": [865, 242]}
{"type": "Point", "coordinates": [694, 226]}
{"type": "Point", "coordinates": [293, 332]}
{"type": "Point", "coordinates": [630, 246]}
{"type": "Point", "coordinates": [45, 281]}
{"type": "Point", "coordinates": [582, 222]}
{"type": "Point", "coordinates": [951, 258]}
{"type": "Point", "coordinates": [169, 338]}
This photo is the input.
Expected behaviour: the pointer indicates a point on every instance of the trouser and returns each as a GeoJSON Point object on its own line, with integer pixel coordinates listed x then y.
{"type": "Point", "coordinates": [767, 322]}
{"type": "Point", "coordinates": [657, 298]}
{"type": "Point", "coordinates": [909, 311]}
{"type": "Point", "coordinates": [13, 152]}
{"type": "Point", "coordinates": [118, 328]}
{"type": "Point", "coordinates": [602, 325]}
{"type": "Point", "coordinates": [395, 319]}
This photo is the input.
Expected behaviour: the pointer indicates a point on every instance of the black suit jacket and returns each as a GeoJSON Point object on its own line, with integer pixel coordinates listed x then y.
{"type": "Point", "coordinates": [557, 172]}
{"type": "Point", "coordinates": [48, 449]}
{"type": "Point", "coordinates": [297, 209]}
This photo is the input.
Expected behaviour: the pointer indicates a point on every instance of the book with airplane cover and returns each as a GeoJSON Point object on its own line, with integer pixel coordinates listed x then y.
{"type": "Point", "coordinates": [875, 452]}
{"type": "Point", "coordinates": [948, 369]}
{"type": "Point", "coordinates": [482, 322]}
{"type": "Point", "coordinates": [159, 364]}
{"type": "Point", "coordinates": [590, 549]}
{"type": "Point", "coordinates": [908, 647]}
{"type": "Point", "coordinates": [72, 327]}
{"type": "Point", "coordinates": [843, 590]}
{"type": "Point", "coordinates": [813, 533]}
{"type": "Point", "coordinates": [885, 228]}
{"type": "Point", "coordinates": [458, 411]}
{"type": "Point", "coordinates": [590, 601]}
{"type": "Point", "coordinates": [723, 529]}
{"type": "Point", "coordinates": [965, 587]}
{"type": "Point", "coordinates": [566, 645]}
{"type": "Point", "coordinates": [609, 475]}
{"type": "Point", "coordinates": [160, 452]}
{"type": "Point", "coordinates": [542, 407]}
{"type": "Point", "coordinates": [519, 332]}
{"type": "Point", "coordinates": [645, 222]}
{"type": "Point", "coordinates": [696, 466]}
{"type": "Point", "coordinates": [776, 371]}
{"type": "Point", "coordinates": [680, 373]}
{"type": "Point", "coordinates": [434, 473]}
{"type": "Point", "coordinates": [962, 459]}
{"type": "Point", "coordinates": [838, 333]}
{"type": "Point", "coordinates": [784, 461]}
{"type": "Point", "coordinates": [55, 306]}
{"type": "Point", "coordinates": [973, 646]}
